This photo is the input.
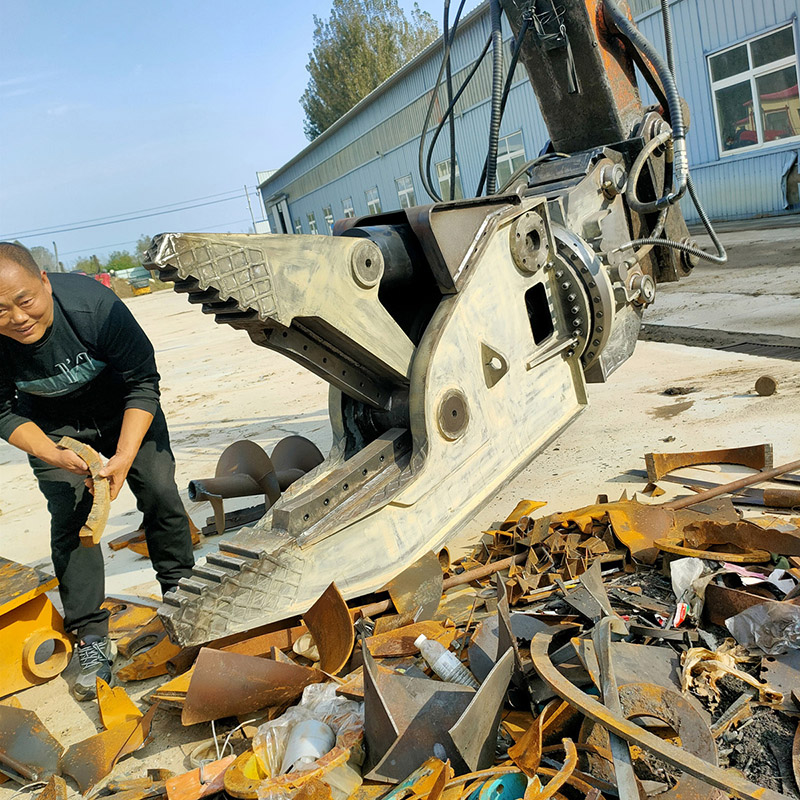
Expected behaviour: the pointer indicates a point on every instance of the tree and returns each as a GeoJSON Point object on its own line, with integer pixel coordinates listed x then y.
{"type": "Point", "coordinates": [44, 259]}
{"type": "Point", "coordinates": [142, 246]}
{"type": "Point", "coordinates": [91, 265]}
{"type": "Point", "coordinates": [121, 259]}
{"type": "Point", "coordinates": [357, 48]}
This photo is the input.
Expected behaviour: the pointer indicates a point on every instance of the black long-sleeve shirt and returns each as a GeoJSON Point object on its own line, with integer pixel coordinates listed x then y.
{"type": "Point", "coordinates": [93, 363]}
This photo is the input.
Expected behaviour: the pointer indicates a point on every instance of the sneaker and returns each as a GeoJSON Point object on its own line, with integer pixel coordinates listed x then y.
{"type": "Point", "coordinates": [96, 656]}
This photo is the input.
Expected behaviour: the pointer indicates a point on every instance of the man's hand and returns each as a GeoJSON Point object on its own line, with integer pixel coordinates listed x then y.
{"type": "Point", "coordinates": [116, 470]}
{"type": "Point", "coordinates": [69, 461]}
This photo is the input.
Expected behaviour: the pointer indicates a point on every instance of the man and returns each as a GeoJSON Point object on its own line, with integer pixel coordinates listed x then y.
{"type": "Point", "coordinates": [74, 362]}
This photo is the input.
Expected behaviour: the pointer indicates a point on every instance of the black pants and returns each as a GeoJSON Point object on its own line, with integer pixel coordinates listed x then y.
{"type": "Point", "coordinates": [79, 569]}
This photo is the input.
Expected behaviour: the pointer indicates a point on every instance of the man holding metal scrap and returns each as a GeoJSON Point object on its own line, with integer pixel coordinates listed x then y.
{"type": "Point", "coordinates": [74, 362]}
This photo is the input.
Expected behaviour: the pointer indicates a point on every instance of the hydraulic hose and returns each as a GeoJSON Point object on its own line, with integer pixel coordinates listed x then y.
{"type": "Point", "coordinates": [507, 88]}
{"type": "Point", "coordinates": [497, 82]}
{"type": "Point", "coordinates": [681, 164]}
{"type": "Point", "coordinates": [653, 240]}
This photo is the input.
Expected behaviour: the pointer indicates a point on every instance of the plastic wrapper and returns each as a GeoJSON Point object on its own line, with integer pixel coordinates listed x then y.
{"type": "Point", "coordinates": [339, 768]}
{"type": "Point", "coordinates": [772, 627]}
{"type": "Point", "coordinates": [689, 577]}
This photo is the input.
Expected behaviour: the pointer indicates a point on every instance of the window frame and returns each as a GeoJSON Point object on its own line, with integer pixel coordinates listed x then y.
{"type": "Point", "coordinates": [405, 192]}
{"type": "Point", "coordinates": [329, 218]}
{"type": "Point", "coordinates": [348, 211]}
{"type": "Point", "coordinates": [508, 157]}
{"type": "Point", "coordinates": [312, 223]}
{"type": "Point", "coordinates": [370, 202]}
{"type": "Point", "coordinates": [298, 225]}
{"type": "Point", "coordinates": [449, 178]}
{"type": "Point", "coordinates": [751, 75]}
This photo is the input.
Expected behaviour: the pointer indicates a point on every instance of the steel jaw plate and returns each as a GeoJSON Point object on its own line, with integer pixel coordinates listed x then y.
{"type": "Point", "coordinates": [410, 718]}
{"type": "Point", "coordinates": [469, 436]}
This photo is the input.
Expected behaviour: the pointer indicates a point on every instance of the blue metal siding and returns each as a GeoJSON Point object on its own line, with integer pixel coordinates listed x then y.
{"type": "Point", "coordinates": [380, 141]}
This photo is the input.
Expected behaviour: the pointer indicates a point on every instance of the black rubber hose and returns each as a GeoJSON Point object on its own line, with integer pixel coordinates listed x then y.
{"type": "Point", "coordinates": [449, 83]}
{"type": "Point", "coordinates": [681, 166]}
{"type": "Point", "coordinates": [497, 79]}
{"type": "Point", "coordinates": [449, 113]}
{"type": "Point", "coordinates": [507, 88]}
{"type": "Point", "coordinates": [426, 182]}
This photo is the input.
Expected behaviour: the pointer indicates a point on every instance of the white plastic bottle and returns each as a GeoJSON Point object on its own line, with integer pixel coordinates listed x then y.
{"type": "Point", "coordinates": [444, 663]}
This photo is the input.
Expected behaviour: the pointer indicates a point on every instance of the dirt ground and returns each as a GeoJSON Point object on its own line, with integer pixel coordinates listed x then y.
{"type": "Point", "coordinates": [218, 387]}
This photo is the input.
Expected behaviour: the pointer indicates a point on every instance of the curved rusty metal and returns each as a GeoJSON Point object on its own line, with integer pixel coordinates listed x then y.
{"type": "Point", "coordinates": [674, 545]}
{"type": "Point", "coordinates": [728, 781]}
{"type": "Point", "coordinates": [329, 622]}
{"type": "Point", "coordinates": [559, 779]}
{"type": "Point", "coordinates": [95, 523]}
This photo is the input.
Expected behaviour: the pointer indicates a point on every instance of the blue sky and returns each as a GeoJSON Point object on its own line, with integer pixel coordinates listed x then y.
{"type": "Point", "coordinates": [117, 107]}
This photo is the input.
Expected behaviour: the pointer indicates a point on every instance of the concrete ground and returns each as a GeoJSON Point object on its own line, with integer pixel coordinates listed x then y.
{"type": "Point", "coordinates": [218, 387]}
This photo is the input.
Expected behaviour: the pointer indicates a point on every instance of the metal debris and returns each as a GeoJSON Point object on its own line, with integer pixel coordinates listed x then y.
{"type": "Point", "coordinates": [90, 760]}
{"type": "Point", "coordinates": [226, 684]}
{"type": "Point", "coordinates": [331, 626]}
{"type": "Point", "coordinates": [28, 751]}
{"type": "Point", "coordinates": [756, 457]}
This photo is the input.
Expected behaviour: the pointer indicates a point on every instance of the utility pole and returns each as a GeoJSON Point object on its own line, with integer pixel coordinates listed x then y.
{"type": "Point", "coordinates": [247, 195]}
{"type": "Point", "coordinates": [55, 250]}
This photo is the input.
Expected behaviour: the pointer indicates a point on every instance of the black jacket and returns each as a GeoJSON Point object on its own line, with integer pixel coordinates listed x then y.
{"type": "Point", "coordinates": [93, 363]}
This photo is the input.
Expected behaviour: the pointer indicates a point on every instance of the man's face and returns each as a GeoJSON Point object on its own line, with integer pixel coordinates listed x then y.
{"type": "Point", "coordinates": [26, 303]}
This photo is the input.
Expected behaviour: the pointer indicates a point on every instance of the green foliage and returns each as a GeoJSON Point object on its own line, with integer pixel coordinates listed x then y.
{"type": "Point", "coordinates": [142, 246]}
{"type": "Point", "coordinates": [357, 48]}
{"type": "Point", "coordinates": [44, 259]}
{"type": "Point", "coordinates": [91, 265]}
{"type": "Point", "coordinates": [121, 259]}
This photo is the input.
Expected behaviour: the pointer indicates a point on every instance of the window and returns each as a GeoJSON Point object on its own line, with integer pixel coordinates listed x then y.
{"type": "Point", "coordinates": [298, 228]}
{"type": "Point", "coordinates": [312, 223]}
{"type": "Point", "coordinates": [405, 192]}
{"type": "Point", "coordinates": [443, 176]}
{"type": "Point", "coordinates": [373, 200]}
{"type": "Point", "coordinates": [347, 207]}
{"type": "Point", "coordinates": [328, 214]}
{"type": "Point", "coordinates": [510, 156]}
{"type": "Point", "coordinates": [755, 91]}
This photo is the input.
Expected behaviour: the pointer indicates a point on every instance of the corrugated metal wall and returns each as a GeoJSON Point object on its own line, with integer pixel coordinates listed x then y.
{"type": "Point", "coordinates": [379, 142]}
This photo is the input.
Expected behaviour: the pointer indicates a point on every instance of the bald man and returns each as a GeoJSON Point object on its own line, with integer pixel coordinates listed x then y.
{"type": "Point", "coordinates": [74, 362]}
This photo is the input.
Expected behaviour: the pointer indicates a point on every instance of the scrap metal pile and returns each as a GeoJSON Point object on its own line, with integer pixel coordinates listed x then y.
{"type": "Point", "coordinates": [632, 648]}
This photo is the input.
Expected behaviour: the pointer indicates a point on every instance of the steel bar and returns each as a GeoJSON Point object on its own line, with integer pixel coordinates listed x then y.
{"type": "Point", "coordinates": [756, 457]}
{"type": "Point", "coordinates": [729, 488]}
{"type": "Point", "coordinates": [95, 523]}
{"type": "Point", "coordinates": [728, 781]}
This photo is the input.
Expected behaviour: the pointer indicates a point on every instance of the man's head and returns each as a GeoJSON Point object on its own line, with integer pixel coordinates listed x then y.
{"type": "Point", "coordinates": [26, 297]}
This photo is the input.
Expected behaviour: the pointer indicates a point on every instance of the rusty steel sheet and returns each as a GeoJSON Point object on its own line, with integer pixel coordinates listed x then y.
{"type": "Point", "coordinates": [743, 534]}
{"type": "Point", "coordinates": [589, 597]}
{"type": "Point", "coordinates": [687, 762]}
{"type": "Point", "coordinates": [201, 782]}
{"type": "Point", "coordinates": [400, 641]}
{"type": "Point", "coordinates": [56, 789]}
{"type": "Point", "coordinates": [95, 524]}
{"type": "Point", "coordinates": [675, 545]}
{"type": "Point", "coordinates": [418, 589]}
{"type": "Point", "coordinates": [475, 732]}
{"type": "Point", "coordinates": [723, 602]}
{"type": "Point", "coordinates": [406, 717]}
{"type": "Point", "coordinates": [89, 761]}
{"type": "Point", "coordinates": [331, 627]}
{"type": "Point", "coordinates": [128, 614]}
{"type": "Point", "coordinates": [559, 779]}
{"type": "Point", "coordinates": [733, 486]}
{"type": "Point", "coordinates": [28, 751]}
{"type": "Point", "coordinates": [19, 583]}
{"type": "Point", "coordinates": [757, 456]}
{"type": "Point", "coordinates": [671, 708]}
{"type": "Point", "coordinates": [116, 708]}
{"type": "Point", "coordinates": [782, 673]}
{"type": "Point", "coordinates": [526, 753]}
{"type": "Point", "coordinates": [796, 756]}
{"type": "Point", "coordinates": [225, 684]}
{"type": "Point", "coordinates": [427, 782]}
{"type": "Point", "coordinates": [149, 649]}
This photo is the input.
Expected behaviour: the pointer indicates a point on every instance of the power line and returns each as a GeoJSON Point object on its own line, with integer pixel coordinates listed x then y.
{"type": "Point", "coordinates": [128, 213]}
{"type": "Point", "coordinates": [97, 248]}
{"type": "Point", "coordinates": [50, 232]}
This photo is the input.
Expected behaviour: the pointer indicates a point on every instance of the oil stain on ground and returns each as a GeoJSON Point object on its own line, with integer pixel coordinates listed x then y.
{"type": "Point", "coordinates": [672, 410]}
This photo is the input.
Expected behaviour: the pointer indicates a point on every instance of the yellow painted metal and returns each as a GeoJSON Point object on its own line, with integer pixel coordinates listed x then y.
{"type": "Point", "coordinates": [24, 630]}
{"type": "Point", "coordinates": [116, 708]}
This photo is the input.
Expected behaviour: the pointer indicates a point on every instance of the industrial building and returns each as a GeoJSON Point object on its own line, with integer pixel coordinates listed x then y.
{"type": "Point", "coordinates": [736, 64]}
